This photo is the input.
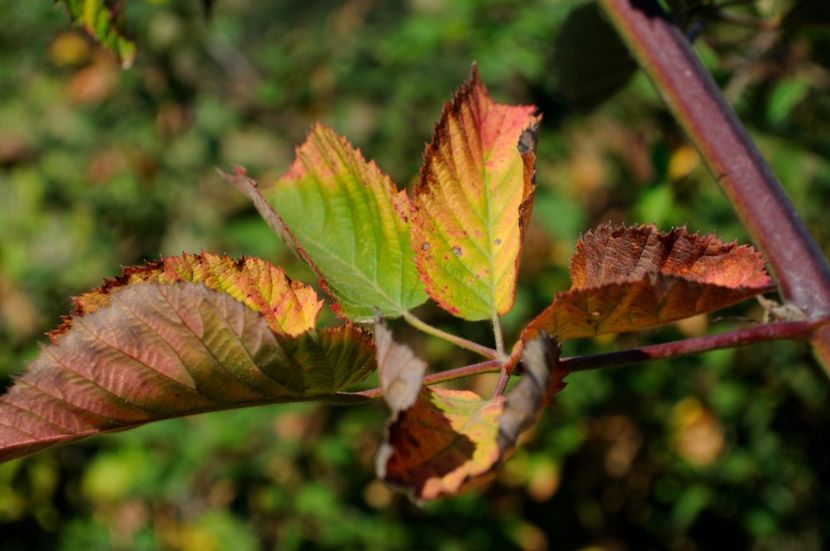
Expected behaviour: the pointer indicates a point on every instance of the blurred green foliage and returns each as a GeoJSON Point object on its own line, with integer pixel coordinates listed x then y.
{"type": "Point", "coordinates": [101, 168]}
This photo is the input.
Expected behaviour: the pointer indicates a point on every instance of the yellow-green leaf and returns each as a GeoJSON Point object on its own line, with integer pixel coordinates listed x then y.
{"type": "Point", "coordinates": [349, 222]}
{"type": "Point", "coordinates": [472, 202]}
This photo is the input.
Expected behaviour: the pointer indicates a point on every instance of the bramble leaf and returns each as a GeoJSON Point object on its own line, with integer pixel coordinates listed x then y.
{"type": "Point", "coordinates": [448, 441]}
{"type": "Point", "coordinates": [183, 336]}
{"type": "Point", "coordinates": [472, 202]}
{"type": "Point", "coordinates": [104, 21]}
{"type": "Point", "coordinates": [629, 278]}
{"type": "Point", "coordinates": [348, 221]}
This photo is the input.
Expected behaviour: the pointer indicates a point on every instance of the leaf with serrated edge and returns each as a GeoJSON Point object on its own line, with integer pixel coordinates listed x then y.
{"type": "Point", "coordinates": [348, 221]}
{"type": "Point", "coordinates": [158, 347]}
{"type": "Point", "coordinates": [288, 306]}
{"type": "Point", "coordinates": [449, 441]}
{"type": "Point", "coordinates": [472, 202]}
{"type": "Point", "coordinates": [104, 21]}
{"type": "Point", "coordinates": [629, 278]}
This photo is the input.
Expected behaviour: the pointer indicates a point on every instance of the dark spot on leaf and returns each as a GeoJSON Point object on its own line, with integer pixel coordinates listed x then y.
{"type": "Point", "coordinates": [456, 251]}
{"type": "Point", "coordinates": [527, 140]}
{"type": "Point", "coordinates": [425, 246]}
{"type": "Point", "coordinates": [498, 241]}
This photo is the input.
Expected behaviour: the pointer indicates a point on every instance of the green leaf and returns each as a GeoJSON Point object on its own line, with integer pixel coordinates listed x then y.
{"type": "Point", "coordinates": [348, 221]}
{"type": "Point", "coordinates": [104, 20]}
{"type": "Point", "coordinates": [785, 97]}
{"type": "Point", "coordinates": [154, 345]}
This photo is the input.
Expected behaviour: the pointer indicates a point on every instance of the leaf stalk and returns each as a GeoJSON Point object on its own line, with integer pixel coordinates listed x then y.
{"type": "Point", "coordinates": [498, 335]}
{"type": "Point", "coordinates": [455, 339]}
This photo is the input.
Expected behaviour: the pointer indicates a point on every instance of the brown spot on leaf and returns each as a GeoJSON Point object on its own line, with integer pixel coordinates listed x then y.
{"type": "Point", "coordinates": [456, 251]}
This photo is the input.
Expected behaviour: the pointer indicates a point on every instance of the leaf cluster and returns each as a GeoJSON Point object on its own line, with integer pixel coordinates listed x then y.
{"type": "Point", "coordinates": [204, 332]}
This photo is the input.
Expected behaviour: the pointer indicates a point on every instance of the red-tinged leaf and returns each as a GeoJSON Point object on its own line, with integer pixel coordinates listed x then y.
{"type": "Point", "coordinates": [349, 222]}
{"type": "Point", "coordinates": [449, 441]}
{"type": "Point", "coordinates": [155, 345]}
{"type": "Point", "coordinates": [472, 202]}
{"type": "Point", "coordinates": [629, 278]}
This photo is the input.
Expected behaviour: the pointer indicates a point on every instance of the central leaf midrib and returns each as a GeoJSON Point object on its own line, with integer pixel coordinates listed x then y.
{"type": "Point", "coordinates": [486, 154]}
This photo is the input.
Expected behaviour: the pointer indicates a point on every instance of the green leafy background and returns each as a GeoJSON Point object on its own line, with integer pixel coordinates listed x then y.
{"type": "Point", "coordinates": [100, 168]}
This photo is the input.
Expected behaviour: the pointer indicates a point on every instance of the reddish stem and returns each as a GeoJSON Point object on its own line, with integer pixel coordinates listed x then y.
{"type": "Point", "coordinates": [781, 330]}
{"type": "Point", "coordinates": [667, 57]}
{"type": "Point", "coordinates": [767, 332]}
{"type": "Point", "coordinates": [490, 366]}
{"type": "Point", "coordinates": [502, 383]}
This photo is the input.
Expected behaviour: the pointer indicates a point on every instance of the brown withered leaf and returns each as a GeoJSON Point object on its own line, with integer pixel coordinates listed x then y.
{"type": "Point", "coordinates": [540, 379]}
{"type": "Point", "coordinates": [401, 372]}
{"type": "Point", "coordinates": [449, 441]}
{"type": "Point", "coordinates": [629, 278]}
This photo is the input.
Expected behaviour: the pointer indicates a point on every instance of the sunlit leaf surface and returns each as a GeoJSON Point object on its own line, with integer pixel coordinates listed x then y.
{"type": "Point", "coordinates": [348, 221]}
{"type": "Point", "coordinates": [473, 201]}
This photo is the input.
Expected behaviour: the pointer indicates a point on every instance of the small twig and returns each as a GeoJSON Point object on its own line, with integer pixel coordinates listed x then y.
{"type": "Point", "coordinates": [490, 366]}
{"type": "Point", "coordinates": [782, 330]}
{"type": "Point", "coordinates": [455, 339]}
{"type": "Point", "coordinates": [767, 332]}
